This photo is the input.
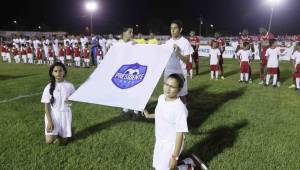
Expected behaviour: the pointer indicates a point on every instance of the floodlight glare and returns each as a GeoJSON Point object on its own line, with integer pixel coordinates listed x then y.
{"type": "Point", "coordinates": [91, 6]}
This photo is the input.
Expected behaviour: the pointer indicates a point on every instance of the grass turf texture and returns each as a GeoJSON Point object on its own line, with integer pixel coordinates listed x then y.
{"type": "Point", "coordinates": [232, 125]}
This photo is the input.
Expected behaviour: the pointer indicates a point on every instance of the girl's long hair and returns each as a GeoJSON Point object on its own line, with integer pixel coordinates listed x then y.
{"type": "Point", "coordinates": [52, 79]}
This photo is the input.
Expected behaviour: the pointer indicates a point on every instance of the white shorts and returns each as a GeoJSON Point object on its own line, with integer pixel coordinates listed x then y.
{"type": "Point", "coordinates": [68, 57]}
{"type": "Point", "coordinates": [76, 58]}
{"type": "Point", "coordinates": [62, 123]}
{"type": "Point", "coordinates": [24, 57]}
{"type": "Point", "coordinates": [3, 54]}
{"type": "Point", "coordinates": [184, 90]}
{"type": "Point", "coordinates": [29, 56]}
{"type": "Point", "coordinates": [163, 151]}
{"type": "Point", "coordinates": [61, 58]}
{"type": "Point", "coordinates": [16, 57]}
{"type": "Point", "coordinates": [50, 58]}
{"type": "Point", "coordinates": [86, 60]}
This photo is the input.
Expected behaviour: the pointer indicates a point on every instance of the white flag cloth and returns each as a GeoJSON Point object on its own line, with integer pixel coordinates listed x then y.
{"type": "Point", "coordinates": [126, 77]}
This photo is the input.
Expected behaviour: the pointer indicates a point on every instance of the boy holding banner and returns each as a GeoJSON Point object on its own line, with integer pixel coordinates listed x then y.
{"type": "Point", "coordinates": [127, 36]}
{"type": "Point", "coordinates": [180, 56]}
{"type": "Point", "coordinates": [170, 125]}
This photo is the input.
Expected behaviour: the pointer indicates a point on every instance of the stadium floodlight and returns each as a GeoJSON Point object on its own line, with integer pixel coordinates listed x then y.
{"type": "Point", "coordinates": [39, 27]}
{"type": "Point", "coordinates": [91, 6]}
{"type": "Point", "coordinates": [15, 21]}
{"type": "Point", "coordinates": [211, 25]}
{"type": "Point", "coordinates": [272, 3]}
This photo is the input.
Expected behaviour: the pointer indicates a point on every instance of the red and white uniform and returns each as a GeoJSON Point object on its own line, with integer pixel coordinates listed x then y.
{"type": "Point", "coordinates": [29, 54]}
{"type": "Point", "coordinates": [264, 48]}
{"type": "Point", "coordinates": [76, 53]}
{"type": "Point", "coordinates": [3, 52]}
{"type": "Point", "coordinates": [86, 55]}
{"type": "Point", "coordinates": [296, 58]}
{"type": "Point", "coordinates": [272, 55]}
{"type": "Point", "coordinates": [68, 53]}
{"type": "Point", "coordinates": [214, 53]}
{"type": "Point", "coordinates": [50, 54]}
{"type": "Point", "coordinates": [39, 53]}
{"type": "Point", "coordinates": [61, 54]}
{"type": "Point", "coordinates": [244, 56]}
{"type": "Point", "coordinates": [297, 37]}
{"type": "Point", "coordinates": [243, 39]}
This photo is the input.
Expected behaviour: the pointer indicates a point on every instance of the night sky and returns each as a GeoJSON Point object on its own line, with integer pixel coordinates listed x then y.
{"type": "Point", "coordinates": [228, 16]}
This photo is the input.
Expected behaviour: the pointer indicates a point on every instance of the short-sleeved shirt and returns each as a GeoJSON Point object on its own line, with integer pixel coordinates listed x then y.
{"type": "Point", "coordinates": [61, 93]}
{"type": "Point", "coordinates": [175, 65]}
{"type": "Point", "coordinates": [170, 117]}
{"type": "Point", "coordinates": [296, 57]}
{"type": "Point", "coordinates": [214, 53]}
{"type": "Point", "coordinates": [244, 55]}
{"type": "Point", "coordinates": [272, 55]}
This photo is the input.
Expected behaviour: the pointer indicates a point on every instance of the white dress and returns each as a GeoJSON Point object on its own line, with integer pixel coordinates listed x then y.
{"type": "Point", "coordinates": [170, 118]}
{"type": "Point", "coordinates": [61, 113]}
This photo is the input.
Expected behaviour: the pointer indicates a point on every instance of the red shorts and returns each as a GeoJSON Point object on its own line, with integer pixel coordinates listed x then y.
{"type": "Point", "coordinates": [189, 66]}
{"type": "Point", "coordinates": [264, 62]}
{"type": "Point", "coordinates": [272, 70]}
{"type": "Point", "coordinates": [214, 68]}
{"type": "Point", "coordinates": [244, 67]}
{"type": "Point", "coordinates": [297, 73]}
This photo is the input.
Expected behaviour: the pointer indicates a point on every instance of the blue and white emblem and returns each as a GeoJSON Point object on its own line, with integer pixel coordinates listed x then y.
{"type": "Point", "coordinates": [129, 75]}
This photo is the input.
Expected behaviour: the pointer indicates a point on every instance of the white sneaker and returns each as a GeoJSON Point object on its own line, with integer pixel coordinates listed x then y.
{"type": "Point", "coordinates": [278, 84]}
{"type": "Point", "coordinates": [292, 86]}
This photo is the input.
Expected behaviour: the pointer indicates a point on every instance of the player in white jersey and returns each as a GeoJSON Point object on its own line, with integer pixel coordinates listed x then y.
{"type": "Point", "coordinates": [180, 56]}
{"type": "Point", "coordinates": [296, 62]}
{"type": "Point", "coordinates": [244, 56]}
{"type": "Point", "coordinates": [214, 59]}
{"type": "Point", "coordinates": [272, 55]}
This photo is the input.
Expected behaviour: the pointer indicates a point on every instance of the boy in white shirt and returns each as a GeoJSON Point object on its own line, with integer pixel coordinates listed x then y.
{"type": "Point", "coordinates": [272, 55]}
{"type": "Point", "coordinates": [180, 56]}
{"type": "Point", "coordinates": [296, 61]}
{"type": "Point", "coordinates": [214, 56]}
{"type": "Point", "coordinates": [244, 56]}
{"type": "Point", "coordinates": [170, 125]}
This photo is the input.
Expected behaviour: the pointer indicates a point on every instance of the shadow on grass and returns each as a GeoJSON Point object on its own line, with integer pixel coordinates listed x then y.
{"type": "Point", "coordinates": [84, 133]}
{"type": "Point", "coordinates": [230, 73]}
{"type": "Point", "coordinates": [285, 75]}
{"type": "Point", "coordinates": [217, 141]}
{"type": "Point", "coordinates": [7, 77]}
{"type": "Point", "coordinates": [202, 104]}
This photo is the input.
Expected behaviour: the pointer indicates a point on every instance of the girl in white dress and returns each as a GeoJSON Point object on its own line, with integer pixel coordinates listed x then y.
{"type": "Point", "coordinates": [58, 114]}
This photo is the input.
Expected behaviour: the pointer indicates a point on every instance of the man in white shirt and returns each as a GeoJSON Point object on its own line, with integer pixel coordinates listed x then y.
{"type": "Point", "coordinates": [180, 56]}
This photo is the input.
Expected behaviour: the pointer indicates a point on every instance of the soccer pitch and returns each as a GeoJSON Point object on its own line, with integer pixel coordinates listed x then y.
{"type": "Point", "coordinates": [232, 125]}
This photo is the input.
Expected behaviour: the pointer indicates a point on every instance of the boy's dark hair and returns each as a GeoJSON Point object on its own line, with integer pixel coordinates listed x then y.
{"type": "Point", "coordinates": [245, 44]}
{"type": "Point", "coordinates": [178, 23]}
{"type": "Point", "coordinates": [126, 28]}
{"type": "Point", "coordinates": [271, 42]}
{"type": "Point", "coordinates": [179, 78]}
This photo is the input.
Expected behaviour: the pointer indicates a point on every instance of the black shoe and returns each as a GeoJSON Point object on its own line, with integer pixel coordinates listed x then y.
{"type": "Point", "coordinates": [274, 86]}
{"type": "Point", "coordinates": [136, 117]}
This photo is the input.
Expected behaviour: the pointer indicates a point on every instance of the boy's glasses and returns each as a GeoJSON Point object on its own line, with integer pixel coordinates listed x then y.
{"type": "Point", "coordinates": [173, 87]}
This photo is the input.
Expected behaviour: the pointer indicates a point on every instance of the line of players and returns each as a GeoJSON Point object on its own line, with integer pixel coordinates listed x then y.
{"type": "Point", "coordinates": [71, 55]}
{"type": "Point", "coordinates": [269, 58]}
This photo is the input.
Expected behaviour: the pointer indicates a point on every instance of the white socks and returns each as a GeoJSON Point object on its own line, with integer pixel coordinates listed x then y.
{"type": "Point", "coordinates": [298, 83]}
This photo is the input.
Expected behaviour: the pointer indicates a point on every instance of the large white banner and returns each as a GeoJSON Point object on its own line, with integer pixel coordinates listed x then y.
{"type": "Point", "coordinates": [126, 77]}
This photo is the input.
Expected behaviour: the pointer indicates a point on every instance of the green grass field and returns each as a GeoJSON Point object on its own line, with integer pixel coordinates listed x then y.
{"type": "Point", "coordinates": [232, 126]}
